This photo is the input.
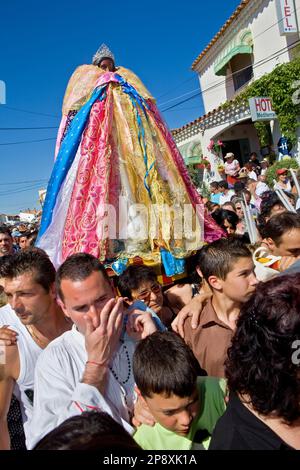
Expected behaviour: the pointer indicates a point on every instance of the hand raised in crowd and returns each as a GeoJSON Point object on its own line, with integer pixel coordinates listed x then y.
{"type": "Point", "coordinates": [103, 331]}
{"type": "Point", "coordinates": [192, 309]}
{"type": "Point", "coordinates": [102, 334]}
{"type": "Point", "coordinates": [142, 414]}
{"type": "Point", "coordinates": [8, 337]}
{"type": "Point", "coordinates": [140, 325]}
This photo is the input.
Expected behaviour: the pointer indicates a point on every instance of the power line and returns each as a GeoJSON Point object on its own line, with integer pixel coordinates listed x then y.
{"type": "Point", "coordinates": [164, 94]}
{"type": "Point", "coordinates": [27, 141]}
{"type": "Point", "coordinates": [31, 112]}
{"type": "Point", "coordinates": [216, 85]}
{"type": "Point", "coordinates": [257, 64]}
{"type": "Point", "coordinates": [17, 191]}
{"type": "Point", "coordinates": [177, 86]}
{"type": "Point", "coordinates": [186, 109]}
{"type": "Point", "coordinates": [24, 182]}
{"type": "Point", "coordinates": [198, 92]}
{"type": "Point", "coordinates": [26, 128]}
{"type": "Point", "coordinates": [254, 37]}
{"type": "Point", "coordinates": [181, 96]}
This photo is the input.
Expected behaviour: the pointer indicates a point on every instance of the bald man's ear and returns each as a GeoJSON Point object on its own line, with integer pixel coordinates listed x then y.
{"type": "Point", "coordinates": [62, 306]}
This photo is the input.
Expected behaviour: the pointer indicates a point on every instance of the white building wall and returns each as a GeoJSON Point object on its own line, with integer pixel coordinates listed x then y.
{"type": "Point", "coordinates": [270, 49]}
{"type": "Point", "coordinates": [213, 89]}
{"type": "Point", "coordinates": [269, 46]}
{"type": "Point", "coordinates": [260, 16]}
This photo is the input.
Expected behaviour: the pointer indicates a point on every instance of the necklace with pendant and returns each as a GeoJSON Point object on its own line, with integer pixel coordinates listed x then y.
{"type": "Point", "coordinates": [40, 342]}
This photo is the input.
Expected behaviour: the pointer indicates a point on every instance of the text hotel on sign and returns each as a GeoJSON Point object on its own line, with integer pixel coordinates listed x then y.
{"type": "Point", "coordinates": [287, 19]}
{"type": "Point", "coordinates": [261, 109]}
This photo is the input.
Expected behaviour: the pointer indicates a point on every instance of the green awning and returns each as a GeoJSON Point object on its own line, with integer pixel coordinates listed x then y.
{"type": "Point", "coordinates": [241, 44]}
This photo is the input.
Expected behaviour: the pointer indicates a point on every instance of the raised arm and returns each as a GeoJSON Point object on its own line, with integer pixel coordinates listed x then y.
{"type": "Point", "coordinates": [7, 381]}
{"type": "Point", "coordinates": [193, 309]}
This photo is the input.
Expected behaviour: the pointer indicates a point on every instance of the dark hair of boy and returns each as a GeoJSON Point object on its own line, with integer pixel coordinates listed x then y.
{"type": "Point", "coordinates": [91, 430]}
{"type": "Point", "coordinates": [164, 364]}
{"type": "Point", "coordinates": [223, 185]}
{"type": "Point", "coordinates": [78, 267]}
{"type": "Point", "coordinates": [33, 261]}
{"type": "Point", "coordinates": [218, 258]}
{"type": "Point", "coordinates": [133, 277]}
{"type": "Point", "coordinates": [280, 224]}
{"type": "Point", "coordinates": [214, 184]}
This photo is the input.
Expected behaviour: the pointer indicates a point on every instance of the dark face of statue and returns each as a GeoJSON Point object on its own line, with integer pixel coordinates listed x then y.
{"type": "Point", "coordinates": [107, 65]}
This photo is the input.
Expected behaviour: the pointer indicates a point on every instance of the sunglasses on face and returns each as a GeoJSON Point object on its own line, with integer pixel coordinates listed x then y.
{"type": "Point", "coordinates": [146, 293]}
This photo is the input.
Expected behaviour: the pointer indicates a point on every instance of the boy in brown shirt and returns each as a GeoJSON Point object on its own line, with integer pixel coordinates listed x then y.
{"type": "Point", "coordinates": [227, 267]}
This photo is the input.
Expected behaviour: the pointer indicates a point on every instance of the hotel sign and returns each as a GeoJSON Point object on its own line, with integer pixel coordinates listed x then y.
{"type": "Point", "coordinates": [287, 20]}
{"type": "Point", "coordinates": [261, 109]}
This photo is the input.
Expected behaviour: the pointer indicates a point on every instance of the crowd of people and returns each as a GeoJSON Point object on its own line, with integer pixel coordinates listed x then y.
{"type": "Point", "coordinates": [175, 367]}
{"type": "Point", "coordinates": [89, 361]}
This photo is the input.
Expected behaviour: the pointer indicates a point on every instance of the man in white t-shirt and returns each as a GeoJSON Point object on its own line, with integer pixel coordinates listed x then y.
{"type": "Point", "coordinates": [89, 367]}
{"type": "Point", "coordinates": [29, 286]}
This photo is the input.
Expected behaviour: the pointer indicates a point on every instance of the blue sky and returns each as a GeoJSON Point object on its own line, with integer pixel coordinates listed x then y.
{"type": "Point", "coordinates": [42, 42]}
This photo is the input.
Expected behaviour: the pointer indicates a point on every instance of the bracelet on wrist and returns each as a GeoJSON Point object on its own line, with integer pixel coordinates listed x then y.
{"type": "Point", "coordinates": [95, 363]}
